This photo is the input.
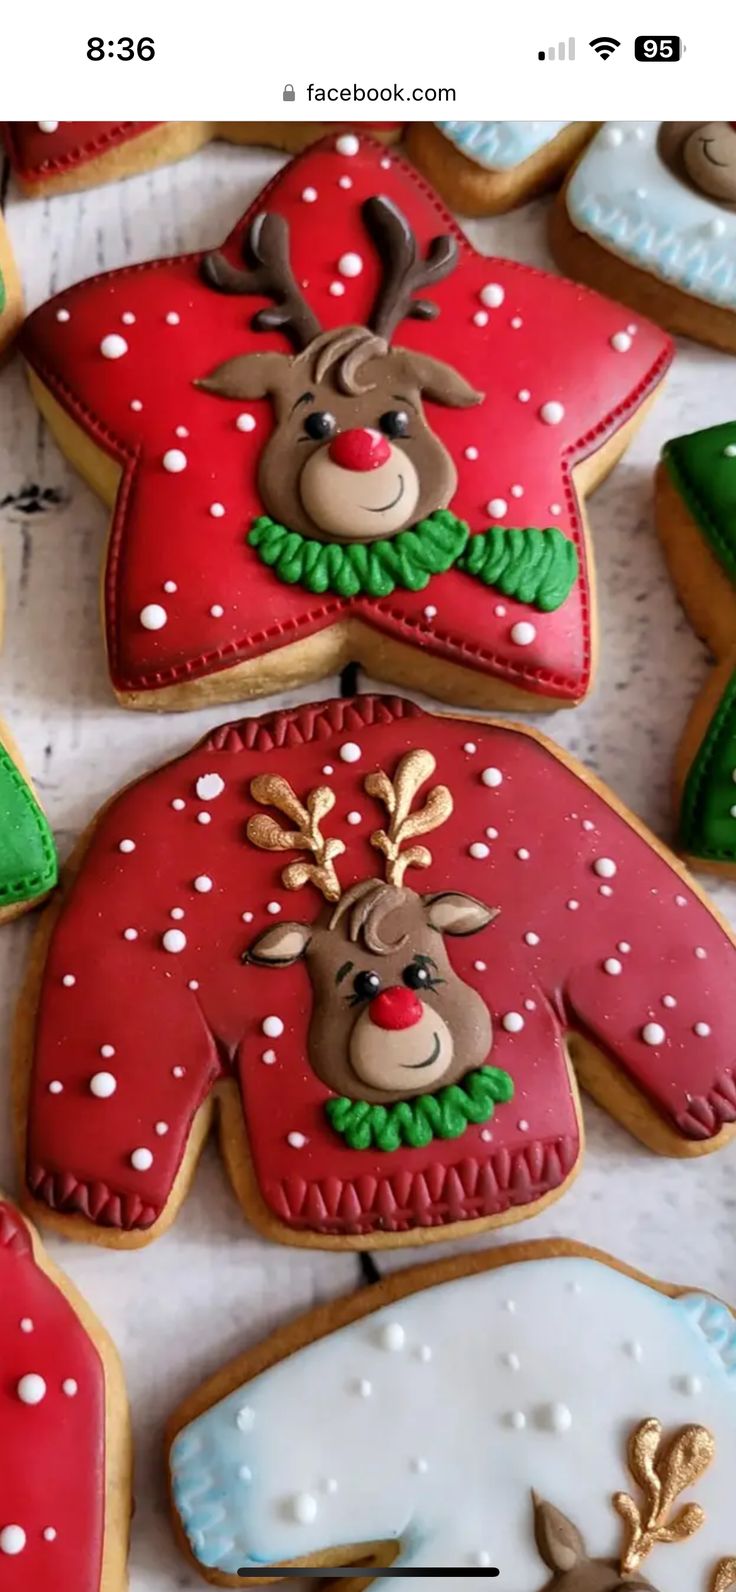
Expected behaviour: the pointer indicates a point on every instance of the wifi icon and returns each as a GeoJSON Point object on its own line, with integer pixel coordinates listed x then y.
{"type": "Point", "coordinates": [605, 47]}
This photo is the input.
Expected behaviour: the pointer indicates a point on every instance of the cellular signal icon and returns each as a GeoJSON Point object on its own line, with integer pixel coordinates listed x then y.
{"type": "Point", "coordinates": [605, 47]}
{"type": "Point", "coordinates": [561, 52]}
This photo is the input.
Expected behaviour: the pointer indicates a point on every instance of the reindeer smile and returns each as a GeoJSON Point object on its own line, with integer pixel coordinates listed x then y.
{"type": "Point", "coordinates": [417, 1066]}
{"type": "Point", "coordinates": [384, 508]}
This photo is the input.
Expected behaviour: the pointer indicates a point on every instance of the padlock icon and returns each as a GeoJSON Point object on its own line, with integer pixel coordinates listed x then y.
{"type": "Point", "coordinates": [289, 93]}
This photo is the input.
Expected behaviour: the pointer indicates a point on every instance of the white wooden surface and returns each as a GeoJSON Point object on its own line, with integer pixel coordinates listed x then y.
{"type": "Point", "coordinates": [180, 1308]}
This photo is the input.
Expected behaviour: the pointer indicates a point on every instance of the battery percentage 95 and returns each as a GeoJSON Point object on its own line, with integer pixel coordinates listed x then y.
{"type": "Point", "coordinates": [658, 47]}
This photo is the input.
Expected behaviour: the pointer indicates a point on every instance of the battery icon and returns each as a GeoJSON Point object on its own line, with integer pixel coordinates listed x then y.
{"type": "Point", "coordinates": [658, 47]}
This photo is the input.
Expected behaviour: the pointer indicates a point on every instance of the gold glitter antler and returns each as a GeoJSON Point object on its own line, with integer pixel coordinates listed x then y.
{"type": "Point", "coordinates": [662, 1472]}
{"type": "Point", "coordinates": [273, 791]}
{"type": "Point", "coordinates": [724, 1576]}
{"type": "Point", "coordinates": [397, 797]}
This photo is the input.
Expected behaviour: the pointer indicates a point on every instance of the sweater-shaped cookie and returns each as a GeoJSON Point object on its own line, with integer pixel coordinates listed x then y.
{"type": "Point", "coordinates": [483, 168]}
{"type": "Point", "coordinates": [696, 519]}
{"type": "Point", "coordinates": [345, 436]}
{"type": "Point", "coordinates": [28, 867]}
{"type": "Point", "coordinates": [63, 157]}
{"type": "Point", "coordinates": [365, 934]}
{"type": "Point", "coordinates": [649, 215]}
{"type": "Point", "coordinates": [537, 1414]}
{"type": "Point", "coordinates": [64, 1441]}
{"type": "Point", "coordinates": [11, 297]}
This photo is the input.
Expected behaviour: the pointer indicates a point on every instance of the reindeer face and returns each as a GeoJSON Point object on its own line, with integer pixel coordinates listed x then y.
{"type": "Point", "coordinates": [391, 1019]}
{"type": "Point", "coordinates": [563, 1550]}
{"type": "Point", "coordinates": [352, 457]}
{"type": "Point", "coordinates": [705, 154]}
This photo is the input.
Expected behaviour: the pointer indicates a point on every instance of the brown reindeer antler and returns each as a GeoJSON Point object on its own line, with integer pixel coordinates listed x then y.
{"type": "Point", "coordinates": [662, 1472]}
{"type": "Point", "coordinates": [273, 791]}
{"type": "Point", "coordinates": [404, 274]}
{"type": "Point", "coordinates": [397, 797]}
{"type": "Point", "coordinates": [267, 242]}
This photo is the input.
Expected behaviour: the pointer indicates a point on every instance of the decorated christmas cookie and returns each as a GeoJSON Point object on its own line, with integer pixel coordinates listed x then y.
{"type": "Point", "coordinates": [539, 1414]}
{"type": "Point", "coordinates": [344, 436]}
{"type": "Point", "coordinates": [649, 215]}
{"type": "Point", "coordinates": [58, 157]}
{"type": "Point", "coordinates": [65, 1457]}
{"type": "Point", "coordinates": [360, 933]}
{"type": "Point", "coordinates": [696, 519]}
{"type": "Point", "coordinates": [28, 868]}
{"type": "Point", "coordinates": [481, 168]}
{"type": "Point", "coordinates": [11, 298]}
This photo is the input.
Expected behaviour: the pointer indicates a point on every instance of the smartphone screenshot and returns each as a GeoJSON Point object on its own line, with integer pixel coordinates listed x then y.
{"type": "Point", "coordinates": [367, 797]}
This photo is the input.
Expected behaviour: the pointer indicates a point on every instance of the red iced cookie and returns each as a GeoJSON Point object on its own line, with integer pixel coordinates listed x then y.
{"type": "Point", "coordinates": [64, 1442]}
{"type": "Point", "coordinates": [211, 400]}
{"type": "Point", "coordinates": [367, 935]}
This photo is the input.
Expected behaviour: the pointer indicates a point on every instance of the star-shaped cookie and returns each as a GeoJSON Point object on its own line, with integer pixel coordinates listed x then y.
{"type": "Point", "coordinates": [346, 436]}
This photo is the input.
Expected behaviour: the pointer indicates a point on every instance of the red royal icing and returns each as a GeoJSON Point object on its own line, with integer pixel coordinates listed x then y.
{"type": "Point", "coordinates": [36, 154]}
{"type": "Point", "coordinates": [545, 349]}
{"type": "Point", "coordinates": [52, 1451]}
{"type": "Point", "coordinates": [576, 945]}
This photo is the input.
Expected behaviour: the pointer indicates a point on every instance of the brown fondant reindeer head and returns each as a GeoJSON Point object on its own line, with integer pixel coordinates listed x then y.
{"type": "Point", "coordinates": [390, 1017]}
{"type": "Point", "coordinates": [352, 456]}
{"type": "Point", "coordinates": [702, 154]}
{"type": "Point", "coordinates": [562, 1548]}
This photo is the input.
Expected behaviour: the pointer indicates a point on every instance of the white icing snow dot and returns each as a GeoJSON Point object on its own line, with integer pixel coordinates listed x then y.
{"type": "Point", "coordinates": [55, 1087]}
{"type": "Point", "coordinates": [354, 818]}
{"type": "Point", "coordinates": [653, 1034]}
{"type": "Point", "coordinates": [113, 346]}
{"type": "Point", "coordinates": [531, 938]}
{"type": "Point", "coordinates": [141, 1160]}
{"type": "Point", "coordinates": [136, 405]}
{"type": "Point", "coordinates": [337, 289]}
{"type": "Point", "coordinates": [522, 854]}
{"type": "Point", "coordinates": [479, 850]}
{"type": "Point", "coordinates": [516, 1419]}
{"type": "Point", "coordinates": [729, 450]}
{"type": "Point", "coordinates": [12, 1540]}
{"type": "Point", "coordinates": [70, 1387]}
{"type": "Point", "coordinates": [102, 1085]}
{"type": "Point", "coordinates": [309, 195]}
{"type": "Point", "coordinates": [161, 1128]}
{"type": "Point", "coordinates": [689, 1385]}
{"type": "Point", "coordinates": [492, 777]}
{"type": "Point", "coordinates": [68, 980]}
{"type": "Point", "coordinates": [554, 1417]}
{"type": "Point", "coordinates": [272, 1027]}
{"type": "Point", "coordinates": [107, 1050]}
{"type": "Point", "coordinates": [174, 460]}
{"type": "Point", "coordinates": [605, 867]}
{"type": "Point", "coordinates": [350, 264]}
{"type": "Point", "coordinates": [31, 1389]}
{"type": "Point", "coordinates": [172, 319]}
{"type": "Point", "coordinates": [523, 633]}
{"type": "Point", "coordinates": [497, 508]}
{"type": "Point", "coordinates": [471, 454]}
{"type": "Point", "coordinates": [347, 144]}
{"type": "Point", "coordinates": [517, 491]}
{"type": "Point", "coordinates": [49, 1534]}
{"type": "Point", "coordinates": [128, 318]}
{"type": "Point", "coordinates": [304, 1508]}
{"type": "Point", "coordinates": [245, 1418]}
{"type": "Point", "coordinates": [481, 318]}
{"type": "Point", "coordinates": [552, 413]}
{"type": "Point", "coordinates": [492, 295]}
{"type": "Point", "coordinates": [63, 315]}
{"type": "Point", "coordinates": [245, 422]}
{"type": "Point", "coordinates": [513, 1022]}
{"type": "Point", "coordinates": [47, 127]}
{"type": "Point", "coordinates": [217, 510]}
{"type": "Point", "coordinates": [269, 1057]}
{"type": "Point", "coordinates": [209, 786]}
{"type": "Point", "coordinates": [203, 883]}
{"type": "Point", "coordinates": [482, 1558]}
{"type": "Point", "coordinates": [364, 1387]}
{"type": "Point", "coordinates": [273, 907]}
{"type": "Point", "coordinates": [430, 612]}
{"type": "Point", "coordinates": [26, 1324]}
{"type": "Point", "coordinates": [621, 342]}
{"type": "Point", "coordinates": [174, 940]}
{"type": "Point", "coordinates": [393, 1336]}
{"type": "Point", "coordinates": [702, 1030]}
{"type": "Point", "coordinates": [217, 610]}
{"type": "Point", "coordinates": [344, 182]}
{"type": "Point", "coordinates": [612, 965]}
{"type": "Point", "coordinates": [350, 752]}
{"type": "Point", "coordinates": [126, 846]}
{"type": "Point", "coordinates": [470, 747]}
{"type": "Point", "coordinates": [297, 1140]}
{"type": "Point", "coordinates": [130, 934]}
{"type": "Point", "coordinates": [153, 616]}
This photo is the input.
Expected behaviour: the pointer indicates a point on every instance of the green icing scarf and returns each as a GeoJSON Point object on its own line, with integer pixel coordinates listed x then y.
{"type": "Point", "coordinates": [537, 567]}
{"type": "Point", "coordinates": [444, 1115]}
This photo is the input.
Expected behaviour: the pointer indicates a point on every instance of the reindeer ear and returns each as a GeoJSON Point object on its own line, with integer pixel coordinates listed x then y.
{"type": "Point", "coordinates": [279, 947]}
{"type": "Point", "coordinates": [247, 376]}
{"type": "Point", "coordinates": [453, 913]}
{"type": "Point", "coordinates": [442, 383]}
{"type": "Point", "coordinates": [559, 1542]}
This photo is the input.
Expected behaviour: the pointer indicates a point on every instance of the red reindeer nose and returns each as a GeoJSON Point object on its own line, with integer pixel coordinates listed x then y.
{"type": "Point", "coordinates": [397, 1007]}
{"type": "Point", "coordinates": [360, 449]}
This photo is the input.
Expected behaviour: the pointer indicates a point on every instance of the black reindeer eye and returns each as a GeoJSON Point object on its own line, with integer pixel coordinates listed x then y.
{"type": "Point", "coordinates": [395, 423]}
{"type": "Point", "coordinates": [365, 986]}
{"type": "Point", "coordinates": [320, 425]}
{"type": "Point", "coordinates": [421, 974]}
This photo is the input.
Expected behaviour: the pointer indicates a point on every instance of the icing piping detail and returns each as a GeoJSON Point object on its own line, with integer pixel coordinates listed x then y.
{"type": "Point", "coordinates": [36, 851]}
{"type": "Point", "coordinates": [443, 1115]}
